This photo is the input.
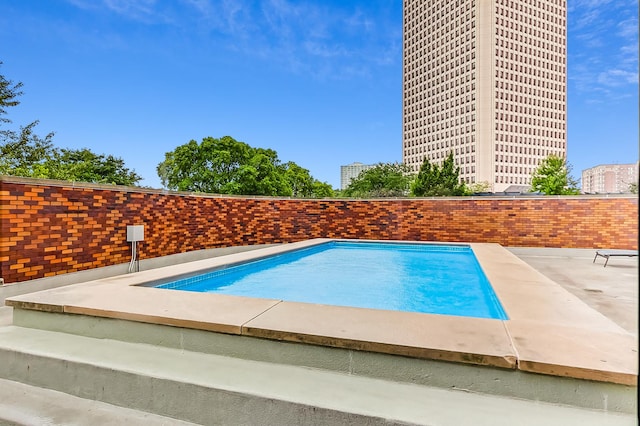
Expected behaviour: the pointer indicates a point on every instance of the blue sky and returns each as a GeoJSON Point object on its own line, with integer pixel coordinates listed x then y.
{"type": "Point", "coordinates": [319, 81]}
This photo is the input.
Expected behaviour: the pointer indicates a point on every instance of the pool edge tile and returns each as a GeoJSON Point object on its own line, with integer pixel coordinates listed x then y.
{"type": "Point", "coordinates": [575, 352]}
{"type": "Point", "coordinates": [437, 337]}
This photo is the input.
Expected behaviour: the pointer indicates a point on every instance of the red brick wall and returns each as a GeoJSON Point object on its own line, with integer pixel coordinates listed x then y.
{"type": "Point", "coordinates": [49, 228]}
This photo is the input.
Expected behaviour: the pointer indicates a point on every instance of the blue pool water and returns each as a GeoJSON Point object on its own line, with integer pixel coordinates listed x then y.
{"type": "Point", "coordinates": [437, 279]}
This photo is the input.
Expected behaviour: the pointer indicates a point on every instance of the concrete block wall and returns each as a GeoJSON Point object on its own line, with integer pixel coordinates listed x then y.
{"type": "Point", "coordinates": [51, 227]}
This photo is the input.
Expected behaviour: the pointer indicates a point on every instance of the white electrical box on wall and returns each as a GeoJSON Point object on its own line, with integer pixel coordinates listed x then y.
{"type": "Point", "coordinates": [135, 233]}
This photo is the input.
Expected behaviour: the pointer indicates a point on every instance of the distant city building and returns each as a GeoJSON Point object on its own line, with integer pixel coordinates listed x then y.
{"type": "Point", "coordinates": [350, 172]}
{"type": "Point", "coordinates": [609, 178]}
{"type": "Point", "coordinates": [487, 81]}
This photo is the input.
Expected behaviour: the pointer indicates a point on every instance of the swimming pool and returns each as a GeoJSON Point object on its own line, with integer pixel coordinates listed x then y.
{"type": "Point", "coordinates": [549, 331]}
{"type": "Point", "coordinates": [415, 277]}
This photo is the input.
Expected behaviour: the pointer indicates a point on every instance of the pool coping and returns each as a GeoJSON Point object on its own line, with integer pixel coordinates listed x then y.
{"type": "Point", "coordinates": [549, 331]}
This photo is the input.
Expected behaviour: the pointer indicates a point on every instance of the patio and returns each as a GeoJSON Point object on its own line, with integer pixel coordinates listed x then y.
{"type": "Point", "coordinates": [612, 291]}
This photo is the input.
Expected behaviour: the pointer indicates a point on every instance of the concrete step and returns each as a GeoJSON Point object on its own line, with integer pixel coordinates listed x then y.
{"type": "Point", "coordinates": [22, 404]}
{"type": "Point", "coordinates": [212, 389]}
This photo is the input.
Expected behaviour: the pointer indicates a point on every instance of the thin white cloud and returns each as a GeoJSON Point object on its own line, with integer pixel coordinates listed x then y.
{"type": "Point", "coordinates": [587, 18]}
{"type": "Point", "coordinates": [309, 37]}
{"type": "Point", "coordinates": [313, 38]}
{"type": "Point", "coordinates": [617, 77]}
{"type": "Point", "coordinates": [321, 50]}
{"type": "Point", "coordinates": [131, 7]}
{"type": "Point", "coordinates": [602, 48]}
{"type": "Point", "coordinates": [83, 4]}
{"type": "Point", "coordinates": [629, 55]}
{"type": "Point", "coordinates": [359, 21]}
{"type": "Point", "coordinates": [202, 6]}
{"type": "Point", "coordinates": [144, 11]}
{"type": "Point", "coordinates": [574, 5]}
{"type": "Point", "coordinates": [628, 28]}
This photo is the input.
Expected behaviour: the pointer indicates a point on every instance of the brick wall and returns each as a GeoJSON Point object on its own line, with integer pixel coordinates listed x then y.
{"type": "Point", "coordinates": [49, 228]}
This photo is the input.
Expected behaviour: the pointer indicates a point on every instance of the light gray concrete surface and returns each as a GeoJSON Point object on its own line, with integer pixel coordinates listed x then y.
{"type": "Point", "coordinates": [211, 389]}
{"type": "Point", "coordinates": [6, 316]}
{"type": "Point", "coordinates": [22, 404]}
{"type": "Point", "coordinates": [613, 291]}
{"type": "Point", "coordinates": [431, 373]}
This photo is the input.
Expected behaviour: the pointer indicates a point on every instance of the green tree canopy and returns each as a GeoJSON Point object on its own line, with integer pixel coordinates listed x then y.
{"type": "Point", "coordinates": [553, 177]}
{"type": "Point", "coordinates": [227, 166]}
{"type": "Point", "coordinates": [83, 165]}
{"type": "Point", "coordinates": [322, 190]}
{"type": "Point", "coordinates": [9, 93]}
{"type": "Point", "coordinates": [382, 180]}
{"type": "Point", "coordinates": [434, 181]}
{"type": "Point", "coordinates": [303, 185]}
{"type": "Point", "coordinates": [24, 153]}
{"type": "Point", "coordinates": [299, 179]}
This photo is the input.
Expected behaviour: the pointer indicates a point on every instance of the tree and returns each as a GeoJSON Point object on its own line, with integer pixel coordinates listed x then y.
{"type": "Point", "coordinates": [553, 177]}
{"type": "Point", "coordinates": [227, 166]}
{"type": "Point", "coordinates": [262, 174]}
{"type": "Point", "coordinates": [82, 165]}
{"type": "Point", "coordinates": [299, 180]}
{"type": "Point", "coordinates": [9, 93]}
{"type": "Point", "coordinates": [21, 153]}
{"type": "Point", "coordinates": [24, 153]}
{"type": "Point", "coordinates": [222, 166]}
{"type": "Point", "coordinates": [322, 190]}
{"type": "Point", "coordinates": [303, 185]}
{"type": "Point", "coordinates": [478, 188]}
{"type": "Point", "coordinates": [382, 180]}
{"type": "Point", "coordinates": [434, 181]}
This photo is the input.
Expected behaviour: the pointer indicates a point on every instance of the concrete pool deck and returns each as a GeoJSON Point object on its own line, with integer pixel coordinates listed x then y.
{"type": "Point", "coordinates": [551, 331]}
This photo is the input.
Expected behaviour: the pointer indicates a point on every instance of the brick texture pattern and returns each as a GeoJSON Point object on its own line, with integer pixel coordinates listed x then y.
{"type": "Point", "coordinates": [49, 228]}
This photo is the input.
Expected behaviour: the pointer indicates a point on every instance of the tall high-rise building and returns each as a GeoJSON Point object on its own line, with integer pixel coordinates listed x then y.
{"type": "Point", "coordinates": [486, 80]}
